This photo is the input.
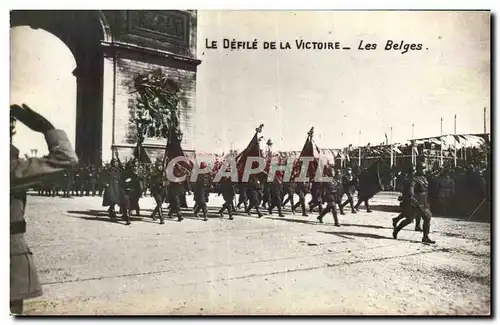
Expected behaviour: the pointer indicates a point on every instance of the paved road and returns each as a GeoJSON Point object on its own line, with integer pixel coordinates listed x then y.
{"type": "Point", "coordinates": [273, 265]}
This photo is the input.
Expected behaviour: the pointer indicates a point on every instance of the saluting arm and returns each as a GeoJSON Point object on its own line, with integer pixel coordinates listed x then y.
{"type": "Point", "coordinates": [26, 172]}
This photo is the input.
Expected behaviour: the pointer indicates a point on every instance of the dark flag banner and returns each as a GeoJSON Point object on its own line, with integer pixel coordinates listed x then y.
{"type": "Point", "coordinates": [369, 181]}
{"type": "Point", "coordinates": [308, 151]}
{"type": "Point", "coordinates": [252, 150]}
{"type": "Point", "coordinates": [141, 155]}
{"type": "Point", "coordinates": [174, 150]}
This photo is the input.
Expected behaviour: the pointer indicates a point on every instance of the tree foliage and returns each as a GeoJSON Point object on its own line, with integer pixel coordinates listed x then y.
{"type": "Point", "coordinates": [157, 109]}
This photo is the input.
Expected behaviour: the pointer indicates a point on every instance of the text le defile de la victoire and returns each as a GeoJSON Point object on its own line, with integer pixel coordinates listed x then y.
{"type": "Point", "coordinates": [233, 44]}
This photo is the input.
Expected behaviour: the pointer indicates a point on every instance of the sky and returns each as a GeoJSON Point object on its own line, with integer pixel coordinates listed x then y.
{"type": "Point", "coordinates": [41, 76]}
{"type": "Point", "coordinates": [341, 93]}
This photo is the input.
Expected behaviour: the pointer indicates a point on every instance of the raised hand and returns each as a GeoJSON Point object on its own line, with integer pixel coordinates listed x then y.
{"type": "Point", "coordinates": [30, 118]}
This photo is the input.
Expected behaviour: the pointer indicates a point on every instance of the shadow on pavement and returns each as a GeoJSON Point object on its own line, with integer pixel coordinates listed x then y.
{"type": "Point", "coordinates": [345, 234]}
{"type": "Point", "coordinates": [104, 216]}
{"type": "Point", "coordinates": [384, 208]}
{"type": "Point", "coordinates": [99, 215]}
{"type": "Point", "coordinates": [355, 234]}
{"type": "Point", "coordinates": [365, 226]}
{"type": "Point", "coordinates": [309, 222]}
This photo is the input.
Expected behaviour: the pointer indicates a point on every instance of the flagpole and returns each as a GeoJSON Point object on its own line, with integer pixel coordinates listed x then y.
{"type": "Point", "coordinates": [486, 142]}
{"type": "Point", "coordinates": [392, 162]}
{"type": "Point", "coordinates": [392, 152]}
{"type": "Point", "coordinates": [413, 158]}
{"type": "Point", "coordinates": [342, 158]}
{"type": "Point", "coordinates": [455, 142]}
{"type": "Point", "coordinates": [441, 151]}
{"type": "Point", "coordinates": [359, 149]}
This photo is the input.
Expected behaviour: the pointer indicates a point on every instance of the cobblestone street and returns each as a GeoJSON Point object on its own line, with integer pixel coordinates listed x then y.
{"type": "Point", "coordinates": [291, 265]}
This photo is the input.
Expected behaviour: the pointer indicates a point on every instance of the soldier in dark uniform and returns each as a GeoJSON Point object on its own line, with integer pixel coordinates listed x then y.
{"type": "Point", "coordinates": [77, 181]}
{"type": "Point", "coordinates": [289, 190]}
{"type": "Point", "coordinates": [330, 197]}
{"type": "Point", "coordinates": [337, 177]}
{"type": "Point", "coordinates": [406, 209]}
{"type": "Point", "coordinates": [24, 281]}
{"type": "Point", "coordinates": [363, 197]}
{"type": "Point", "coordinates": [158, 186]}
{"type": "Point", "coordinates": [114, 193]}
{"type": "Point", "coordinates": [316, 189]}
{"type": "Point", "coordinates": [242, 195]}
{"type": "Point", "coordinates": [446, 192]}
{"type": "Point", "coordinates": [174, 191]}
{"type": "Point", "coordinates": [93, 179]}
{"type": "Point", "coordinates": [51, 183]}
{"type": "Point", "coordinates": [201, 189]}
{"type": "Point", "coordinates": [301, 190]}
{"type": "Point", "coordinates": [133, 188]}
{"type": "Point", "coordinates": [266, 194]}
{"type": "Point", "coordinates": [67, 177]}
{"type": "Point", "coordinates": [85, 179]}
{"type": "Point", "coordinates": [349, 183]}
{"type": "Point", "coordinates": [253, 196]}
{"type": "Point", "coordinates": [276, 195]}
{"type": "Point", "coordinates": [227, 190]}
{"type": "Point", "coordinates": [419, 195]}
{"type": "Point", "coordinates": [183, 194]}
{"type": "Point", "coordinates": [101, 178]}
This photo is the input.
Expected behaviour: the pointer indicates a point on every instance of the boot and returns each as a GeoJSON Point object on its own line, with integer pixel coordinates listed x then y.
{"type": "Point", "coordinates": [321, 215]}
{"type": "Point", "coordinates": [427, 240]}
{"type": "Point", "coordinates": [126, 218]}
{"type": "Point", "coordinates": [394, 222]}
{"type": "Point", "coordinates": [403, 224]}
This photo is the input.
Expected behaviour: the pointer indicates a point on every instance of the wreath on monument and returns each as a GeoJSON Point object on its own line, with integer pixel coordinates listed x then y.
{"type": "Point", "coordinates": [157, 110]}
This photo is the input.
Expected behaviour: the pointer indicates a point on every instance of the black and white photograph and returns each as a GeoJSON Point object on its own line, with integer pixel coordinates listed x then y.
{"type": "Point", "coordinates": [250, 162]}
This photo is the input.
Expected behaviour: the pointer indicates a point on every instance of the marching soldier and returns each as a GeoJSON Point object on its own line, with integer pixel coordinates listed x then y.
{"type": "Point", "coordinates": [242, 195]}
{"type": "Point", "coordinates": [289, 190]}
{"type": "Point", "coordinates": [24, 281]}
{"type": "Point", "coordinates": [349, 183]}
{"type": "Point", "coordinates": [266, 194]}
{"type": "Point", "coordinates": [253, 196]}
{"type": "Point", "coordinates": [420, 198]}
{"type": "Point", "coordinates": [363, 197]}
{"type": "Point", "coordinates": [114, 193]}
{"type": "Point", "coordinates": [133, 188]}
{"type": "Point", "coordinates": [330, 197]}
{"type": "Point", "coordinates": [276, 192]}
{"type": "Point", "coordinates": [337, 177]}
{"type": "Point", "coordinates": [406, 208]}
{"type": "Point", "coordinates": [158, 186]}
{"type": "Point", "coordinates": [227, 190]}
{"type": "Point", "coordinates": [316, 197]}
{"type": "Point", "coordinates": [175, 191]}
{"type": "Point", "coordinates": [201, 190]}
{"type": "Point", "coordinates": [301, 190]}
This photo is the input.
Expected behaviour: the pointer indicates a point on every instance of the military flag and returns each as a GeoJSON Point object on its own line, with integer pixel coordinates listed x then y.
{"type": "Point", "coordinates": [252, 150]}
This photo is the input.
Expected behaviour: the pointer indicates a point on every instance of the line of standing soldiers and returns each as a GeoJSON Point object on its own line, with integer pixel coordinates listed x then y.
{"type": "Point", "coordinates": [86, 180]}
